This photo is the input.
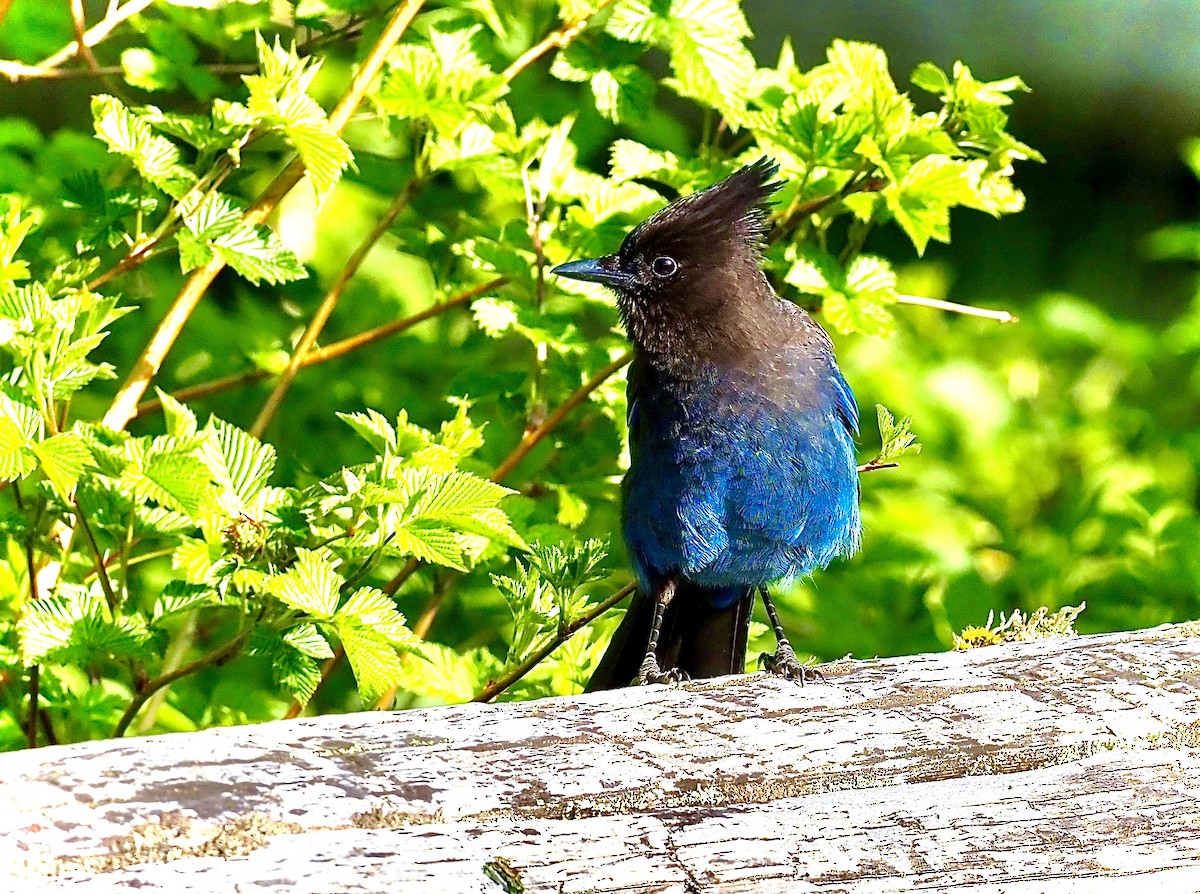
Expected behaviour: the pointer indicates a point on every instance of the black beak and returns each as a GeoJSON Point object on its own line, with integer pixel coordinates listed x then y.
{"type": "Point", "coordinates": [605, 270]}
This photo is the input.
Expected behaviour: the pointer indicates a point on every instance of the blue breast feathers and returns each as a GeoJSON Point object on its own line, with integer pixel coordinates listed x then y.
{"type": "Point", "coordinates": [735, 482]}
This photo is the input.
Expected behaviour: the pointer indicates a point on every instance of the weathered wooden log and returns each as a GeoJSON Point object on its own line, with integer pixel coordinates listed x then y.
{"type": "Point", "coordinates": [1059, 765]}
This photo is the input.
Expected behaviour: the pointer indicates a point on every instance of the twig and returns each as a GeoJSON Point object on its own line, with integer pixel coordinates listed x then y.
{"type": "Point", "coordinates": [799, 209]}
{"type": "Point", "coordinates": [1000, 316]}
{"type": "Point", "coordinates": [556, 39]}
{"type": "Point", "coordinates": [532, 437]}
{"type": "Point", "coordinates": [4, 5]}
{"type": "Point", "coordinates": [31, 727]}
{"type": "Point", "coordinates": [490, 691]}
{"type": "Point", "coordinates": [124, 406]}
{"type": "Point", "coordinates": [30, 72]}
{"type": "Point", "coordinates": [877, 464]}
{"type": "Point", "coordinates": [83, 50]}
{"type": "Point", "coordinates": [321, 317]}
{"type": "Point", "coordinates": [217, 656]}
{"type": "Point", "coordinates": [90, 39]}
{"type": "Point", "coordinates": [330, 351]}
{"type": "Point", "coordinates": [31, 721]}
{"type": "Point", "coordinates": [101, 571]}
{"type": "Point", "coordinates": [401, 576]}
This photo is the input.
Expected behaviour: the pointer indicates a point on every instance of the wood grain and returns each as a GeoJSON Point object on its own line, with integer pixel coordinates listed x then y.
{"type": "Point", "coordinates": [1060, 765]}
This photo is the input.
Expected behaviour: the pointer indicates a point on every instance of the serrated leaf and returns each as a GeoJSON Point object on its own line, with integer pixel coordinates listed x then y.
{"type": "Point", "coordinates": [495, 316]}
{"type": "Point", "coordinates": [63, 457]}
{"type": "Point", "coordinates": [278, 100]}
{"type": "Point", "coordinates": [376, 610]}
{"type": "Point", "coordinates": [931, 79]}
{"type": "Point", "coordinates": [897, 438]}
{"type": "Point", "coordinates": [216, 225]}
{"type": "Point", "coordinates": [156, 158]}
{"type": "Point", "coordinates": [75, 627]}
{"type": "Point", "coordinates": [20, 426]}
{"type": "Point", "coordinates": [373, 428]}
{"type": "Point", "coordinates": [305, 638]}
{"type": "Point", "coordinates": [179, 480]}
{"type": "Point", "coordinates": [181, 421]}
{"type": "Point", "coordinates": [429, 543]}
{"type": "Point", "coordinates": [376, 665]}
{"type": "Point", "coordinates": [240, 464]}
{"type": "Point", "coordinates": [311, 585]}
{"type": "Point", "coordinates": [181, 596]}
{"type": "Point", "coordinates": [921, 202]}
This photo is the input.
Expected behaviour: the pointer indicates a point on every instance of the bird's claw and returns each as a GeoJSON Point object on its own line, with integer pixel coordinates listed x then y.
{"type": "Point", "coordinates": [784, 663]}
{"type": "Point", "coordinates": [650, 673]}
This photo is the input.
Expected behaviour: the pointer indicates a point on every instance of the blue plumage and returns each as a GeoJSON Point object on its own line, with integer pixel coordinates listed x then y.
{"type": "Point", "coordinates": [741, 432]}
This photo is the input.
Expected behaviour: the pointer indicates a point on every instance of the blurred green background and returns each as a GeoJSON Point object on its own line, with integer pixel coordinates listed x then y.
{"type": "Point", "coordinates": [1060, 452]}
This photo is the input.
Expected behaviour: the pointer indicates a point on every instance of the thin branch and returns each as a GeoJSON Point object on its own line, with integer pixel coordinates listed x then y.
{"type": "Point", "coordinates": [110, 595]}
{"type": "Point", "coordinates": [1000, 316]}
{"type": "Point", "coordinates": [218, 656]}
{"type": "Point", "coordinates": [556, 39]}
{"type": "Point", "coordinates": [532, 437]}
{"type": "Point", "coordinates": [124, 406]}
{"type": "Point", "coordinates": [330, 351]}
{"type": "Point", "coordinates": [31, 721]}
{"type": "Point", "coordinates": [801, 209]}
{"type": "Point", "coordinates": [401, 576]}
{"type": "Point", "coordinates": [108, 71]}
{"type": "Point", "coordinates": [490, 691]}
{"type": "Point", "coordinates": [877, 464]}
{"type": "Point", "coordinates": [31, 728]}
{"type": "Point", "coordinates": [4, 6]}
{"type": "Point", "coordinates": [96, 33]}
{"type": "Point", "coordinates": [83, 51]}
{"type": "Point", "coordinates": [321, 317]}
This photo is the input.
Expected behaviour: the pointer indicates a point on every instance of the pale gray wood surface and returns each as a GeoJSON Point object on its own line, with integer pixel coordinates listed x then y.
{"type": "Point", "coordinates": [1060, 765]}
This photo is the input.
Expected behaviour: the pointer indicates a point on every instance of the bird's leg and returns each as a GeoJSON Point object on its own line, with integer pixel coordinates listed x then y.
{"type": "Point", "coordinates": [784, 662]}
{"type": "Point", "coordinates": [650, 672]}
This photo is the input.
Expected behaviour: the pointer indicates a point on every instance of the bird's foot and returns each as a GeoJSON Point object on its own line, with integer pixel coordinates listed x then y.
{"type": "Point", "coordinates": [784, 663]}
{"type": "Point", "coordinates": [650, 673]}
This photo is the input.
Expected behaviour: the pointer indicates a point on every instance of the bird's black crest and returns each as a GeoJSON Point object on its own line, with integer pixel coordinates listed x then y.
{"type": "Point", "coordinates": [733, 209]}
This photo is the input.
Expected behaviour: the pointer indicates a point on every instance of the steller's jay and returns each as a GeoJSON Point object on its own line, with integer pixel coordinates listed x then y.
{"type": "Point", "coordinates": [741, 436]}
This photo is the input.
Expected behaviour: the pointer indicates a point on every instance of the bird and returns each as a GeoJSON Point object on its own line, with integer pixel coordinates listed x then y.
{"type": "Point", "coordinates": [741, 434]}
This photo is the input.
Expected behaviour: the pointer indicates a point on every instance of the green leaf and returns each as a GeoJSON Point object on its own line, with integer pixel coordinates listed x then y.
{"type": "Point", "coordinates": [254, 252]}
{"type": "Point", "coordinates": [931, 79]}
{"type": "Point", "coordinates": [376, 611]}
{"type": "Point", "coordinates": [921, 202]}
{"type": "Point", "coordinates": [180, 596]}
{"type": "Point", "coordinates": [156, 158]}
{"type": "Point", "coordinates": [278, 100]}
{"type": "Point", "coordinates": [63, 457]}
{"type": "Point", "coordinates": [311, 585]}
{"type": "Point", "coordinates": [179, 480]}
{"type": "Point", "coordinates": [305, 638]}
{"type": "Point", "coordinates": [897, 438]}
{"type": "Point", "coordinates": [240, 464]}
{"type": "Point", "coordinates": [181, 421]}
{"type": "Point", "coordinates": [75, 627]}
{"type": "Point", "coordinates": [20, 427]}
{"type": "Point", "coordinates": [373, 428]}
{"type": "Point", "coordinates": [376, 665]}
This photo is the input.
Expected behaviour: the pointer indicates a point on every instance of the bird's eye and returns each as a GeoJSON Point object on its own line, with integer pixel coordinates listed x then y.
{"type": "Point", "coordinates": [664, 266]}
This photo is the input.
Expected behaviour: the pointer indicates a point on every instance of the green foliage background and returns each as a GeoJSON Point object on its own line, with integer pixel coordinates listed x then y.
{"type": "Point", "coordinates": [188, 574]}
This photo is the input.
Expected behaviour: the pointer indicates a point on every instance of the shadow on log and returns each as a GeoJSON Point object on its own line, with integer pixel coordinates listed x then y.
{"type": "Point", "coordinates": [1060, 765]}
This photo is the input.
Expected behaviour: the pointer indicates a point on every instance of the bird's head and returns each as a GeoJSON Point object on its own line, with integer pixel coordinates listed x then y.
{"type": "Point", "coordinates": [690, 259]}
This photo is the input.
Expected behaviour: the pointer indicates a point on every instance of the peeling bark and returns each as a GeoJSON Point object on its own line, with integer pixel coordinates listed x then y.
{"type": "Point", "coordinates": [1060, 765]}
